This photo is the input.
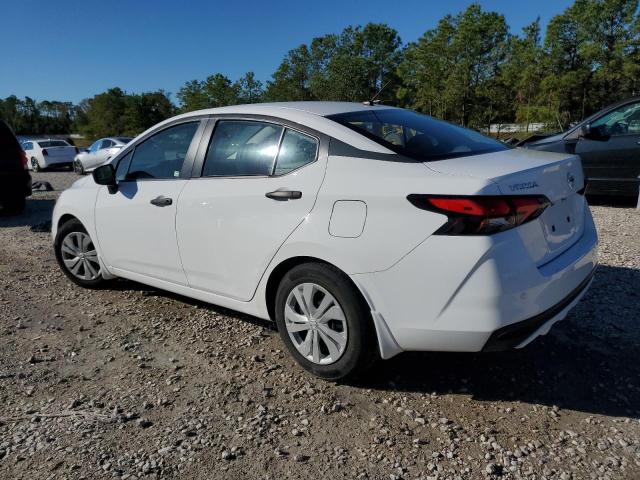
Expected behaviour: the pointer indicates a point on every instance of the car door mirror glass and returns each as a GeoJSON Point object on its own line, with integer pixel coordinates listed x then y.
{"type": "Point", "coordinates": [106, 175]}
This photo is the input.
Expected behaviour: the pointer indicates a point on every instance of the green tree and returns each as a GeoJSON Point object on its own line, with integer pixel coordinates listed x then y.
{"type": "Point", "coordinates": [249, 89]}
{"type": "Point", "coordinates": [454, 70]}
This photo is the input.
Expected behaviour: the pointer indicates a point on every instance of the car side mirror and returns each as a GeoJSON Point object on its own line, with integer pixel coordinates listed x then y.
{"type": "Point", "coordinates": [106, 175]}
{"type": "Point", "coordinates": [590, 133]}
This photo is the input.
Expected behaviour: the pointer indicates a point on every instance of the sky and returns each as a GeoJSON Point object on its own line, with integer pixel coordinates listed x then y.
{"type": "Point", "coordinates": [69, 49]}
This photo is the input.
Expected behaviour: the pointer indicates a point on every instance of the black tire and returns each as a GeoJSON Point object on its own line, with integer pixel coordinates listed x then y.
{"type": "Point", "coordinates": [77, 167]}
{"type": "Point", "coordinates": [362, 346]}
{"type": "Point", "coordinates": [35, 166]}
{"type": "Point", "coordinates": [68, 227]}
{"type": "Point", "coordinates": [14, 206]}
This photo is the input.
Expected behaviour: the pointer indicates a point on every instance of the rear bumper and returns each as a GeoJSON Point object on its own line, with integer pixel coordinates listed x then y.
{"type": "Point", "coordinates": [454, 293]}
{"type": "Point", "coordinates": [520, 333]}
{"type": "Point", "coordinates": [48, 162]}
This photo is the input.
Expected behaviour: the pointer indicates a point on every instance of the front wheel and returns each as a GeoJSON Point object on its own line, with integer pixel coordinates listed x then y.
{"type": "Point", "coordinates": [35, 166]}
{"type": "Point", "coordinates": [77, 255]}
{"type": "Point", "coordinates": [324, 322]}
{"type": "Point", "coordinates": [78, 168]}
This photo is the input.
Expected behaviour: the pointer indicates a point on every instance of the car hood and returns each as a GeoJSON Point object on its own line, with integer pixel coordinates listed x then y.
{"type": "Point", "coordinates": [542, 139]}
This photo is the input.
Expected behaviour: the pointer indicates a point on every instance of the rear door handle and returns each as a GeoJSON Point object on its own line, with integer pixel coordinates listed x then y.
{"type": "Point", "coordinates": [161, 201]}
{"type": "Point", "coordinates": [284, 195]}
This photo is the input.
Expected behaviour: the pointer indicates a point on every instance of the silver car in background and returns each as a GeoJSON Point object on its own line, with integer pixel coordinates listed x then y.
{"type": "Point", "coordinates": [98, 153]}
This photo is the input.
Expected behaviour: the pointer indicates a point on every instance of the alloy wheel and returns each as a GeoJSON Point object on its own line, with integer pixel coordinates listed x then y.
{"type": "Point", "coordinates": [316, 323]}
{"type": "Point", "coordinates": [80, 256]}
{"type": "Point", "coordinates": [35, 166]}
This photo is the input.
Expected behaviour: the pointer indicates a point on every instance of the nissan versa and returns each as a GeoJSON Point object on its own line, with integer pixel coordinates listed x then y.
{"type": "Point", "coordinates": [362, 231]}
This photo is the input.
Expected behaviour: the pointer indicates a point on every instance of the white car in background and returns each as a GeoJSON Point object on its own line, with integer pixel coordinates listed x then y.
{"type": "Point", "coordinates": [362, 231]}
{"type": "Point", "coordinates": [98, 153]}
{"type": "Point", "coordinates": [50, 152]}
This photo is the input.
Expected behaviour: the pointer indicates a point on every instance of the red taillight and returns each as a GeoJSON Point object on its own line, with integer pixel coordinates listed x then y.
{"type": "Point", "coordinates": [44, 152]}
{"type": "Point", "coordinates": [481, 215]}
{"type": "Point", "coordinates": [23, 157]}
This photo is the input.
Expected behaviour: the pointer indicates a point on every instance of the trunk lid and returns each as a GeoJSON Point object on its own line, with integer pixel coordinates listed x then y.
{"type": "Point", "coordinates": [61, 152]}
{"type": "Point", "coordinates": [528, 172]}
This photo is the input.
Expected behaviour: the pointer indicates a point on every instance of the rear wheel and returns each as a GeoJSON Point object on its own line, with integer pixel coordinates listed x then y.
{"type": "Point", "coordinates": [35, 166]}
{"type": "Point", "coordinates": [77, 255]}
{"type": "Point", "coordinates": [324, 322]}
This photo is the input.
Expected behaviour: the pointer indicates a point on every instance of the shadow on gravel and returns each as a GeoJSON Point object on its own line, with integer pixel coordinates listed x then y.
{"type": "Point", "coordinates": [37, 212]}
{"type": "Point", "coordinates": [588, 362]}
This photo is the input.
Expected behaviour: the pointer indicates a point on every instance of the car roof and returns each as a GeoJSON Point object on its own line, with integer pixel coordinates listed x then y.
{"type": "Point", "coordinates": [311, 114]}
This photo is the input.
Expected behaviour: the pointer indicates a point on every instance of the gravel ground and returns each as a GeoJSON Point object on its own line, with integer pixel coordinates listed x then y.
{"type": "Point", "coordinates": [134, 382]}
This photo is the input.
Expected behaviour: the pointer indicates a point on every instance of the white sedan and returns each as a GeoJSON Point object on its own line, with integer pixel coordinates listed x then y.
{"type": "Point", "coordinates": [46, 153]}
{"type": "Point", "coordinates": [362, 231]}
{"type": "Point", "coordinates": [98, 153]}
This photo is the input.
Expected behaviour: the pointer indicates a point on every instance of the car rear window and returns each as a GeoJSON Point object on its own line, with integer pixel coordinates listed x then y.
{"type": "Point", "coordinates": [53, 143]}
{"type": "Point", "coordinates": [417, 136]}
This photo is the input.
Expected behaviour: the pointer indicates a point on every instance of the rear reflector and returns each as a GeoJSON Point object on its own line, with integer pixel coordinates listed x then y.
{"type": "Point", "coordinates": [481, 215]}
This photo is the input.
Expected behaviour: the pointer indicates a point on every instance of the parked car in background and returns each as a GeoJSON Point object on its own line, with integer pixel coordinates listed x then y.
{"type": "Point", "coordinates": [98, 153]}
{"type": "Point", "coordinates": [47, 153]}
{"type": "Point", "coordinates": [15, 181]}
{"type": "Point", "coordinates": [363, 231]}
{"type": "Point", "coordinates": [608, 143]}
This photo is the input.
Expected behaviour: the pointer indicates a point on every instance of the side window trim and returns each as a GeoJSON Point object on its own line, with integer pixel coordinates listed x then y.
{"type": "Point", "coordinates": [187, 165]}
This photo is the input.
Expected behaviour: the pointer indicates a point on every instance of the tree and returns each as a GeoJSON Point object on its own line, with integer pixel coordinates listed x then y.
{"type": "Point", "coordinates": [249, 89]}
{"type": "Point", "coordinates": [352, 66]}
{"type": "Point", "coordinates": [454, 70]}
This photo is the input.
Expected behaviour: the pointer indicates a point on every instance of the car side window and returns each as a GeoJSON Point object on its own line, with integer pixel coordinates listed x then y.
{"type": "Point", "coordinates": [27, 146]}
{"type": "Point", "coordinates": [624, 120]}
{"type": "Point", "coordinates": [242, 148]}
{"type": "Point", "coordinates": [123, 167]}
{"type": "Point", "coordinates": [297, 149]}
{"type": "Point", "coordinates": [106, 144]}
{"type": "Point", "coordinates": [162, 155]}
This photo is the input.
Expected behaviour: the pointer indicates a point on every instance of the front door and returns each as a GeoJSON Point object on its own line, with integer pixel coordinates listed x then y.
{"type": "Point", "coordinates": [258, 182]}
{"type": "Point", "coordinates": [613, 164]}
{"type": "Point", "coordinates": [136, 225]}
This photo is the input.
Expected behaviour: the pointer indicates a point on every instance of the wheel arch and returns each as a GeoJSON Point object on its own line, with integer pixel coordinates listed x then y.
{"type": "Point", "coordinates": [387, 344]}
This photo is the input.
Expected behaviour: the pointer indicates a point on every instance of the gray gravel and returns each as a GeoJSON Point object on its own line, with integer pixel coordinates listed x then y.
{"type": "Point", "coordinates": [132, 382]}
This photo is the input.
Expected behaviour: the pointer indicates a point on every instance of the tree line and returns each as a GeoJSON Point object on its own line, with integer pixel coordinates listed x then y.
{"type": "Point", "coordinates": [470, 69]}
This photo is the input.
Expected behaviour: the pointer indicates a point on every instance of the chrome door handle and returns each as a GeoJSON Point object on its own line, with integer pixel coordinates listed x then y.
{"type": "Point", "coordinates": [161, 201]}
{"type": "Point", "coordinates": [284, 195]}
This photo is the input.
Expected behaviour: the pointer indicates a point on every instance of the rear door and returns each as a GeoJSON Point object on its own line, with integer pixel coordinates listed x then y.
{"type": "Point", "coordinates": [257, 181]}
{"type": "Point", "coordinates": [613, 165]}
{"type": "Point", "coordinates": [136, 225]}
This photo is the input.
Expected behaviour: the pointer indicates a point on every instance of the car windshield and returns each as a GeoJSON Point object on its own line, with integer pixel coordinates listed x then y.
{"type": "Point", "coordinates": [53, 143]}
{"type": "Point", "coordinates": [417, 136]}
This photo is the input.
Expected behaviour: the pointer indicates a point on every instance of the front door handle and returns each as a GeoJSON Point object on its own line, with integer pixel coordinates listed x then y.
{"type": "Point", "coordinates": [284, 195]}
{"type": "Point", "coordinates": [161, 201]}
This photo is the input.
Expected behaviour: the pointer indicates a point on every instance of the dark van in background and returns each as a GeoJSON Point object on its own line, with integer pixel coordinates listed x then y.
{"type": "Point", "coordinates": [15, 181]}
